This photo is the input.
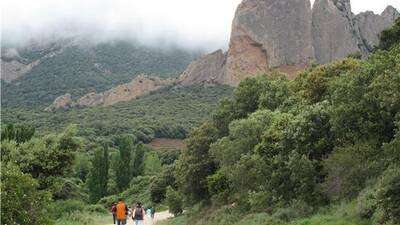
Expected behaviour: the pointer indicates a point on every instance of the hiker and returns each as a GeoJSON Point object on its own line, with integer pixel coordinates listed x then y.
{"type": "Point", "coordinates": [114, 212]}
{"type": "Point", "coordinates": [152, 212]}
{"type": "Point", "coordinates": [121, 211]}
{"type": "Point", "coordinates": [138, 214]}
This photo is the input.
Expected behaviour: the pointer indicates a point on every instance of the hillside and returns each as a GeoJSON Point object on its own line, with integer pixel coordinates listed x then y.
{"type": "Point", "coordinates": [78, 67]}
{"type": "Point", "coordinates": [169, 112]}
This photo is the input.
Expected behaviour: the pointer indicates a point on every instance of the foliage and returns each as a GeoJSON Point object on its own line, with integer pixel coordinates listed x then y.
{"type": "Point", "coordinates": [175, 107]}
{"type": "Point", "coordinates": [21, 201]}
{"type": "Point", "coordinates": [98, 176]}
{"type": "Point", "coordinates": [19, 133]}
{"type": "Point", "coordinates": [123, 166]}
{"type": "Point", "coordinates": [390, 36]}
{"type": "Point", "coordinates": [159, 184]}
{"type": "Point", "coordinates": [195, 164]}
{"type": "Point", "coordinates": [174, 201]}
{"type": "Point", "coordinates": [388, 195]}
{"type": "Point", "coordinates": [80, 69]}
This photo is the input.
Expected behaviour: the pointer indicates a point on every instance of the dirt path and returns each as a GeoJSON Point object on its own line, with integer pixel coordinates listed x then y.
{"type": "Point", "coordinates": [148, 221]}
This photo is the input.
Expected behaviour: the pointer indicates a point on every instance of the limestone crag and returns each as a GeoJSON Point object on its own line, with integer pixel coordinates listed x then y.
{"type": "Point", "coordinates": [206, 69]}
{"type": "Point", "coordinates": [139, 86]}
{"type": "Point", "coordinates": [371, 24]}
{"type": "Point", "coordinates": [61, 102]}
{"type": "Point", "coordinates": [14, 69]}
{"type": "Point", "coordinates": [267, 34]}
{"type": "Point", "coordinates": [286, 36]}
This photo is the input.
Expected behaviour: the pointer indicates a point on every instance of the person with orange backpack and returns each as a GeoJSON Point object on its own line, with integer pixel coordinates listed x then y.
{"type": "Point", "coordinates": [121, 212]}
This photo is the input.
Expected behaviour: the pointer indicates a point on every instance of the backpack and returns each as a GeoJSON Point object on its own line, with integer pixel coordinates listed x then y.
{"type": "Point", "coordinates": [138, 213]}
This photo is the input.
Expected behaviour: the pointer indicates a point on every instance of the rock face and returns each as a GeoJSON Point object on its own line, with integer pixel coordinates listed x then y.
{"type": "Point", "coordinates": [371, 25]}
{"type": "Point", "coordinates": [337, 32]}
{"type": "Point", "coordinates": [61, 102]}
{"type": "Point", "coordinates": [13, 69]}
{"type": "Point", "coordinates": [206, 69]}
{"type": "Point", "coordinates": [334, 33]}
{"type": "Point", "coordinates": [268, 34]}
{"type": "Point", "coordinates": [139, 86]}
{"type": "Point", "coordinates": [286, 36]}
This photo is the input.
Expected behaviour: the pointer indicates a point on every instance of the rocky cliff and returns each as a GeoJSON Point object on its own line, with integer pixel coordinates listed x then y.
{"type": "Point", "coordinates": [139, 86]}
{"type": "Point", "coordinates": [268, 34]}
{"type": "Point", "coordinates": [337, 32]}
{"type": "Point", "coordinates": [207, 69]}
{"type": "Point", "coordinates": [287, 36]}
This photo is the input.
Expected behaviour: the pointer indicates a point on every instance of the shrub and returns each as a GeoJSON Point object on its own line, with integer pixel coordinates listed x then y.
{"type": "Point", "coordinates": [96, 209]}
{"type": "Point", "coordinates": [389, 195]}
{"type": "Point", "coordinates": [174, 201]}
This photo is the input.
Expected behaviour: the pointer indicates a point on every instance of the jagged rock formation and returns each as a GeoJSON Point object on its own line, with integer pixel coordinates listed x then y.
{"type": "Point", "coordinates": [337, 32]}
{"type": "Point", "coordinates": [287, 36]}
{"type": "Point", "coordinates": [206, 69]}
{"type": "Point", "coordinates": [139, 86]}
{"type": "Point", "coordinates": [334, 32]}
{"type": "Point", "coordinates": [371, 24]}
{"type": "Point", "coordinates": [61, 102]}
{"type": "Point", "coordinates": [14, 69]}
{"type": "Point", "coordinates": [268, 34]}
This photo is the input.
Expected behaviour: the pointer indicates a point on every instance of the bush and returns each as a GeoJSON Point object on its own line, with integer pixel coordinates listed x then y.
{"type": "Point", "coordinates": [60, 208]}
{"type": "Point", "coordinates": [367, 203]}
{"type": "Point", "coordinates": [174, 201]}
{"type": "Point", "coordinates": [96, 209]}
{"type": "Point", "coordinates": [389, 195]}
{"type": "Point", "coordinates": [21, 202]}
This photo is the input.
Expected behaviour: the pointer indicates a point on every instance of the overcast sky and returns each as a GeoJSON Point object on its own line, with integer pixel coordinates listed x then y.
{"type": "Point", "coordinates": [194, 23]}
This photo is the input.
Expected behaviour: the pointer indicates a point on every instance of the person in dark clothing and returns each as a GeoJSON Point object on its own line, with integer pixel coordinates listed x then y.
{"type": "Point", "coordinates": [114, 212]}
{"type": "Point", "coordinates": [138, 214]}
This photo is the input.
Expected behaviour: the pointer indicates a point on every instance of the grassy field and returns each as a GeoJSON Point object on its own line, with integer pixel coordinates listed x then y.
{"type": "Point", "coordinates": [84, 218]}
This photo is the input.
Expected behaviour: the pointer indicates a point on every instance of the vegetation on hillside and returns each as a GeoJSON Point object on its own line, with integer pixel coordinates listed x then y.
{"type": "Point", "coordinates": [79, 69]}
{"type": "Point", "coordinates": [320, 149]}
{"type": "Point", "coordinates": [170, 112]}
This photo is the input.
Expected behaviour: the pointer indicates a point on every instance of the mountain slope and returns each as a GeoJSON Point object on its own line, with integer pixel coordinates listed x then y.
{"type": "Point", "coordinates": [77, 68]}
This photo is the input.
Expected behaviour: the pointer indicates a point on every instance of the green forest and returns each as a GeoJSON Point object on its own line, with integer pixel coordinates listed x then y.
{"type": "Point", "coordinates": [321, 149]}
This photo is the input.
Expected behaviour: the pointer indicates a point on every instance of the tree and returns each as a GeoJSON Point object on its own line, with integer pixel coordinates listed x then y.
{"type": "Point", "coordinates": [196, 164]}
{"type": "Point", "coordinates": [98, 176]}
{"type": "Point", "coordinates": [174, 201]}
{"type": "Point", "coordinates": [137, 163]}
{"type": "Point", "coordinates": [390, 37]}
{"type": "Point", "coordinates": [123, 165]}
{"type": "Point", "coordinates": [18, 133]}
{"type": "Point", "coordinates": [21, 201]}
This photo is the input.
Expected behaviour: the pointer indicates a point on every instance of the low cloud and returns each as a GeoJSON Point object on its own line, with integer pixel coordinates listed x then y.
{"type": "Point", "coordinates": [190, 23]}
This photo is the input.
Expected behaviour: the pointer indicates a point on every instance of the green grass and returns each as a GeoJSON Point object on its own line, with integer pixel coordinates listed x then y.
{"type": "Point", "coordinates": [85, 218]}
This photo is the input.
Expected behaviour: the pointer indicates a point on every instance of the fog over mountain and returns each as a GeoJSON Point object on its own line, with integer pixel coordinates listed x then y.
{"type": "Point", "coordinates": [202, 24]}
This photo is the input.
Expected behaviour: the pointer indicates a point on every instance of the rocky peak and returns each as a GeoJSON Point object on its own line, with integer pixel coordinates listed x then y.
{"type": "Point", "coordinates": [207, 69]}
{"type": "Point", "coordinates": [268, 34]}
{"type": "Point", "coordinates": [61, 102]}
{"type": "Point", "coordinates": [390, 14]}
{"type": "Point", "coordinates": [139, 86]}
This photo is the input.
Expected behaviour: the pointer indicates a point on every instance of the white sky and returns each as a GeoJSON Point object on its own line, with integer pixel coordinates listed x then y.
{"type": "Point", "coordinates": [194, 23]}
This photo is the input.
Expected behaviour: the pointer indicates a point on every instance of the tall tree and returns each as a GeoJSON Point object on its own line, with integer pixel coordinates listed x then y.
{"type": "Point", "coordinates": [98, 177]}
{"type": "Point", "coordinates": [137, 163]}
{"type": "Point", "coordinates": [123, 166]}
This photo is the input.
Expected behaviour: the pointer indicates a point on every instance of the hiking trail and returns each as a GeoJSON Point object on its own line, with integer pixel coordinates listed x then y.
{"type": "Point", "coordinates": [163, 215]}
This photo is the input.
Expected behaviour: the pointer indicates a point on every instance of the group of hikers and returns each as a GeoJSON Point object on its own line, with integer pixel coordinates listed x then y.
{"type": "Point", "coordinates": [121, 212]}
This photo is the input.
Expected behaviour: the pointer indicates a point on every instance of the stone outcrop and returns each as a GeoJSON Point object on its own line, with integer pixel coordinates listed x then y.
{"type": "Point", "coordinates": [139, 86]}
{"type": "Point", "coordinates": [268, 34]}
{"type": "Point", "coordinates": [14, 69]}
{"type": "Point", "coordinates": [335, 35]}
{"type": "Point", "coordinates": [61, 102]}
{"type": "Point", "coordinates": [206, 69]}
{"type": "Point", "coordinates": [371, 25]}
{"type": "Point", "coordinates": [287, 36]}
{"type": "Point", "coordinates": [337, 32]}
